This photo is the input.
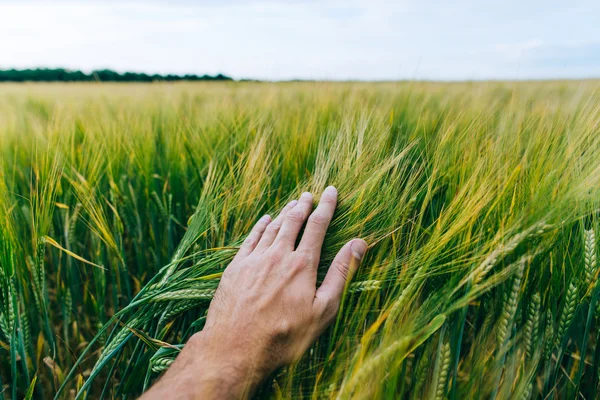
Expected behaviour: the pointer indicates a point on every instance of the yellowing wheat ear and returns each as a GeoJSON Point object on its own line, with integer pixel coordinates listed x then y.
{"type": "Point", "coordinates": [121, 205]}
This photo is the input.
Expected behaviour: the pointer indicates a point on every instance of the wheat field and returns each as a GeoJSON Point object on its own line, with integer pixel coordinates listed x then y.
{"type": "Point", "coordinates": [120, 205]}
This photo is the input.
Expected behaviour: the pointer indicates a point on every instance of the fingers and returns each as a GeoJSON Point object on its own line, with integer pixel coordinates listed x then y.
{"type": "Point", "coordinates": [344, 265]}
{"type": "Point", "coordinates": [273, 228]}
{"type": "Point", "coordinates": [293, 222]}
{"type": "Point", "coordinates": [318, 222]}
{"type": "Point", "coordinates": [253, 238]}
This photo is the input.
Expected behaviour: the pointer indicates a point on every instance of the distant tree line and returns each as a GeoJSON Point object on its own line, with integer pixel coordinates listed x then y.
{"type": "Point", "coordinates": [103, 75]}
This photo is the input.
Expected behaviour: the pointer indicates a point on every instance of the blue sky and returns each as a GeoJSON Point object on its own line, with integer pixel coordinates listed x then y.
{"type": "Point", "coordinates": [370, 40]}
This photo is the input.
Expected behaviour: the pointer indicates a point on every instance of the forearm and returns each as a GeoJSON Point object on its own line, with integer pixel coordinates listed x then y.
{"type": "Point", "coordinates": [203, 370]}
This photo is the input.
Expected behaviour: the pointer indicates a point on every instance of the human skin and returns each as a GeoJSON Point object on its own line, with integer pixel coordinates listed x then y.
{"type": "Point", "coordinates": [267, 309]}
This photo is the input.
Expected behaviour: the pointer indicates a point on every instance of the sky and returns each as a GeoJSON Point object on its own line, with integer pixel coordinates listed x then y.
{"type": "Point", "coordinates": [308, 39]}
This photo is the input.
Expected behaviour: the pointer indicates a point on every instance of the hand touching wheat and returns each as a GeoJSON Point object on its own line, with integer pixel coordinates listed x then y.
{"type": "Point", "coordinates": [267, 309]}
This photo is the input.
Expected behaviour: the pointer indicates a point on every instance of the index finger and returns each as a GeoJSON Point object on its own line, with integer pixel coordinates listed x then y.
{"type": "Point", "coordinates": [318, 222]}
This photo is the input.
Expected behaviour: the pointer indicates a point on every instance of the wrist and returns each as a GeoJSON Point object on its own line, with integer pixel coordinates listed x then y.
{"type": "Point", "coordinates": [222, 367]}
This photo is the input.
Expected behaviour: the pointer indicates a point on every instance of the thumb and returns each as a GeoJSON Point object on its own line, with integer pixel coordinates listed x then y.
{"type": "Point", "coordinates": [342, 269]}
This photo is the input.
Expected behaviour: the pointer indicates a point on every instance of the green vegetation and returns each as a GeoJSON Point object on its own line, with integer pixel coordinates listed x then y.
{"type": "Point", "coordinates": [120, 206]}
{"type": "Point", "coordinates": [101, 75]}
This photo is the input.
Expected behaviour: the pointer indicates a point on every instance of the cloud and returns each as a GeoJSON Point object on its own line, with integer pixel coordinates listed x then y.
{"type": "Point", "coordinates": [578, 54]}
{"type": "Point", "coordinates": [327, 39]}
{"type": "Point", "coordinates": [516, 50]}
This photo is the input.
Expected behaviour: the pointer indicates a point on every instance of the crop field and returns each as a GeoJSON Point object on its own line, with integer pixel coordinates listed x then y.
{"type": "Point", "coordinates": [121, 204]}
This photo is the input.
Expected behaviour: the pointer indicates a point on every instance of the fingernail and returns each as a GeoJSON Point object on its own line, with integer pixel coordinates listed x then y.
{"type": "Point", "coordinates": [305, 196]}
{"type": "Point", "coordinates": [265, 218]}
{"type": "Point", "coordinates": [358, 247]}
{"type": "Point", "coordinates": [330, 190]}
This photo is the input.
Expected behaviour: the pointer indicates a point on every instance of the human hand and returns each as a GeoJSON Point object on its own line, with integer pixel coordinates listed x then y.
{"type": "Point", "coordinates": [267, 309]}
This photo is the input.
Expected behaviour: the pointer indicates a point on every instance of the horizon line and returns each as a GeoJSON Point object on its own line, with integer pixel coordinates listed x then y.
{"type": "Point", "coordinates": [180, 77]}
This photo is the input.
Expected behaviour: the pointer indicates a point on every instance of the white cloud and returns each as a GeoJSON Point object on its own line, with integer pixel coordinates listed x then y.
{"type": "Point", "coordinates": [379, 39]}
{"type": "Point", "coordinates": [515, 50]}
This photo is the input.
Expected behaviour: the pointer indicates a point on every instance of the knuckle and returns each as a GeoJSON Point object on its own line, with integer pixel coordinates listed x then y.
{"type": "Point", "coordinates": [342, 268]}
{"type": "Point", "coordinates": [275, 255]}
{"type": "Point", "coordinates": [274, 227]}
{"type": "Point", "coordinates": [329, 200]}
{"type": "Point", "coordinates": [252, 239]}
{"type": "Point", "coordinates": [284, 329]}
{"type": "Point", "coordinates": [302, 259]}
{"type": "Point", "coordinates": [318, 219]}
{"type": "Point", "coordinates": [296, 216]}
